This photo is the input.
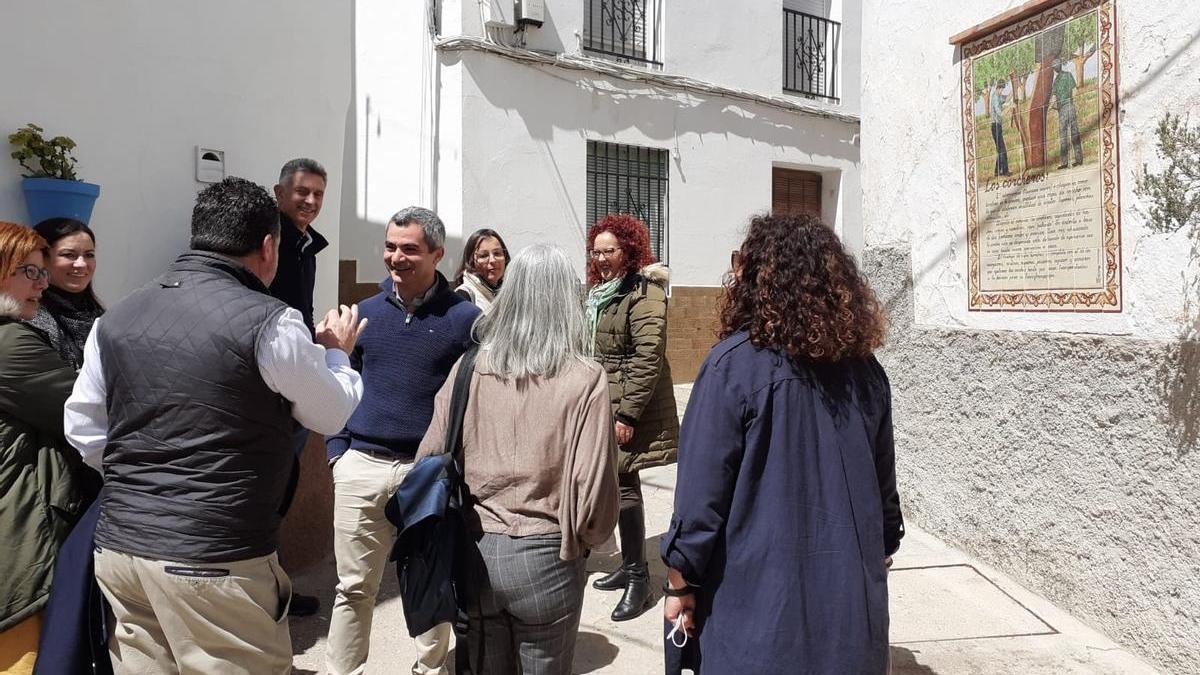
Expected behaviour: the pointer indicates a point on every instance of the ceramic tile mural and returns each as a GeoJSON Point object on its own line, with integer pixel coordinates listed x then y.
{"type": "Point", "coordinates": [1039, 106]}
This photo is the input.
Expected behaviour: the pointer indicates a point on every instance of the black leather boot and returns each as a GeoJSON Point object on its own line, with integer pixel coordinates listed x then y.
{"type": "Point", "coordinates": [631, 527]}
{"type": "Point", "coordinates": [637, 598]}
{"type": "Point", "coordinates": [613, 581]}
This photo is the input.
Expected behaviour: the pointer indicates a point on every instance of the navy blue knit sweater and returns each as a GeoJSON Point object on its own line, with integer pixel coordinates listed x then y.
{"type": "Point", "coordinates": [404, 361]}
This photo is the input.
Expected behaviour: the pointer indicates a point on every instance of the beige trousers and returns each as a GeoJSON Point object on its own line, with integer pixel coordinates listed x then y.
{"type": "Point", "coordinates": [228, 618]}
{"type": "Point", "coordinates": [362, 540]}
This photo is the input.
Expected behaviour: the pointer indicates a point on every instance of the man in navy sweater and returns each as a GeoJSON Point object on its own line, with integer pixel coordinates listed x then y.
{"type": "Point", "coordinates": [418, 329]}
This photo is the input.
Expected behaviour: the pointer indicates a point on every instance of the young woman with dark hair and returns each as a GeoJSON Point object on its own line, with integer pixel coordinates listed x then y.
{"type": "Point", "coordinates": [627, 309]}
{"type": "Point", "coordinates": [786, 511]}
{"type": "Point", "coordinates": [485, 257]}
{"type": "Point", "coordinates": [69, 306]}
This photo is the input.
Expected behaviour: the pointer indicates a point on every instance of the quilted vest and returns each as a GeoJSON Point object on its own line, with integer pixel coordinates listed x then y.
{"type": "Point", "coordinates": [198, 454]}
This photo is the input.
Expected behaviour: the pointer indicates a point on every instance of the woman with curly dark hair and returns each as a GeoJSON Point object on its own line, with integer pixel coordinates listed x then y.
{"type": "Point", "coordinates": [627, 312]}
{"type": "Point", "coordinates": [786, 510]}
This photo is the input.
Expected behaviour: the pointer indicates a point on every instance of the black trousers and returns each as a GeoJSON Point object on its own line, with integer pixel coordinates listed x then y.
{"type": "Point", "coordinates": [630, 486]}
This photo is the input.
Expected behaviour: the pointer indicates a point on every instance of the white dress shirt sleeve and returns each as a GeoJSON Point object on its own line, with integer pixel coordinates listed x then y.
{"type": "Point", "coordinates": [323, 388]}
{"type": "Point", "coordinates": [85, 416]}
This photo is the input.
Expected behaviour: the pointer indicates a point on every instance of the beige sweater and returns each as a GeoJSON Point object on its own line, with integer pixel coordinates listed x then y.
{"type": "Point", "coordinates": [539, 457]}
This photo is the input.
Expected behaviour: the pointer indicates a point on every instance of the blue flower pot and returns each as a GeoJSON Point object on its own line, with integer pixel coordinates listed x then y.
{"type": "Point", "coordinates": [57, 198]}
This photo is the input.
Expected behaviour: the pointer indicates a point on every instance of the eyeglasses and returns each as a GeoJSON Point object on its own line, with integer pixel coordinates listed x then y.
{"type": "Point", "coordinates": [484, 256]}
{"type": "Point", "coordinates": [33, 272]}
{"type": "Point", "coordinates": [599, 253]}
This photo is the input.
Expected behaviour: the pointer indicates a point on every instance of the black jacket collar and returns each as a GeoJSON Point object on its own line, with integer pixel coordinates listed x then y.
{"type": "Point", "coordinates": [290, 237]}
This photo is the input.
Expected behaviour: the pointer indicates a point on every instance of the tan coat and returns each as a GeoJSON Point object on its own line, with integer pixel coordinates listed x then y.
{"type": "Point", "coordinates": [539, 458]}
{"type": "Point", "coordinates": [631, 344]}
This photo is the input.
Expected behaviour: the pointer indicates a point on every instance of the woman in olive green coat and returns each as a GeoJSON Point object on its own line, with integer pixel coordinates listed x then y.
{"type": "Point", "coordinates": [627, 308]}
{"type": "Point", "coordinates": [41, 493]}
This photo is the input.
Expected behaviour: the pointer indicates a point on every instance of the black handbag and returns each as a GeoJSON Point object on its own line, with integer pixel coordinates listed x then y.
{"type": "Point", "coordinates": [434, 551]}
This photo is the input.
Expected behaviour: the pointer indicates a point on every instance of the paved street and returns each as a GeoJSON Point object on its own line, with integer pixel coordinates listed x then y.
{"type": "Point", "coordinates": [950, 614]}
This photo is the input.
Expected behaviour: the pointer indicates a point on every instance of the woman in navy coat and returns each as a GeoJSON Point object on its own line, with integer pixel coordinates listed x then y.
{"type": "Point", "coordinates": [786, 511]}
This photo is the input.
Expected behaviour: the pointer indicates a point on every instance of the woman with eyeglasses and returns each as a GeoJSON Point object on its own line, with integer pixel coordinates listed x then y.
{"type": "Point", "coordinates": [481, 272]}
{"type": "Point", "coordinates": [69, 306]}
{"type": "Point", "coordinates": [43, 482]}
{"type": "Point", "coordinates": [627, 310]}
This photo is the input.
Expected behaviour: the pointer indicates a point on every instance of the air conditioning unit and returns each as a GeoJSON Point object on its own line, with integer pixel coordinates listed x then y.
{"type": "Point", "coordinates": [498, 13]}
{"type": "Point", "coordinates": [531, 12]}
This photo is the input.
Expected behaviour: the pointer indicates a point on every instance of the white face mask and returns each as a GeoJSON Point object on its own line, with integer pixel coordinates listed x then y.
{"type": "Point", "coordinates": [678, 628]}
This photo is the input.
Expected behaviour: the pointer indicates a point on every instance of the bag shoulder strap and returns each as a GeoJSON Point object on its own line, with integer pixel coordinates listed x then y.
{"type": "Point", "coordinates": [458, 403]}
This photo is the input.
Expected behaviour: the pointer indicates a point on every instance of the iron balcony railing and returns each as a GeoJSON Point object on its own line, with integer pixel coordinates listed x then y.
{"type": "Point", "coordinates": [810, 53]}
{"type": "Point", "coordinates": [625, 29]}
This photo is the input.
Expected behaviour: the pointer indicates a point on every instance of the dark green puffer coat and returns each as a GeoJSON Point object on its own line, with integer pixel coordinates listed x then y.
{"type": "Point", "coordinates": [44, 485]}
{"type": "Point", "coordinates": [631, 344]}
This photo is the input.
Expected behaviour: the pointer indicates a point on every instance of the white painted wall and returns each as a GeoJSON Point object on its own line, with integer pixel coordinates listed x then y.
{"type": "Point", "coordinates": [138, 84]}
{"type": "Point", "coordinates": [913, 160]}
{"type": "Point", "coordinates": [393, 129]}
{"type": "Point", "coordinates": [737, 45]}
{"type": "Point", "coordinates": [512, 138]}
{"type": "Point", "coordinates": [524, 141]}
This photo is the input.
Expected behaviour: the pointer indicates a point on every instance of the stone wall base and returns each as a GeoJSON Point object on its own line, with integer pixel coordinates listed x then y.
{"type": "Point", "coordinates": [1069, 461]}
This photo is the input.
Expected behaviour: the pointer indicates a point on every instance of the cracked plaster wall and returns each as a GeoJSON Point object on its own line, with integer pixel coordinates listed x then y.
{"type": "Point", "coordinates": [1061, 448]}
{"type": "Point", "coordinates": [1069, 461]}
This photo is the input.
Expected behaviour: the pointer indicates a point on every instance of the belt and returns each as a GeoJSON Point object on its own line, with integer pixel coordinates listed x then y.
{"type": "Point", "coordinates": [379, 454]}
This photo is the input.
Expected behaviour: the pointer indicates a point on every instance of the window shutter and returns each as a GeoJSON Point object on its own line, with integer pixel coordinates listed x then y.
{"type": "Point", "coordinates": [795, 192]}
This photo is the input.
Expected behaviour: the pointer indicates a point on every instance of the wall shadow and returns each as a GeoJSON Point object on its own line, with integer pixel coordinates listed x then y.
{"type": "Point", "coordinates": [1179, 387]}
{"type": "Point", "coordinates": [503, 83]}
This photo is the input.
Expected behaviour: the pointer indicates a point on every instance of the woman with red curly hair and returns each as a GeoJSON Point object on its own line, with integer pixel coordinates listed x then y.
{"type": "Point", "coordinates": [786, 510]}
{"type": "Point", "coordinates": [627, 312]}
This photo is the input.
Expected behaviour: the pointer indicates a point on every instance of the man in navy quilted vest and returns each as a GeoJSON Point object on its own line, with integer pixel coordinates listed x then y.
{"type": "Point", "coordinates": [186, 403]}
{"type": "Point", "coordinates": [419, 328]}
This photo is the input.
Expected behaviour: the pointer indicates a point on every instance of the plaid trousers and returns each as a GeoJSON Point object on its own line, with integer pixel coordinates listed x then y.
{"type": "Point", "coordinates": [529, 606]}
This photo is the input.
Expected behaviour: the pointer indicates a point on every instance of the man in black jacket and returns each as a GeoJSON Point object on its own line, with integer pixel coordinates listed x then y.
{"type": "Point", "coordinates": [299, 193]}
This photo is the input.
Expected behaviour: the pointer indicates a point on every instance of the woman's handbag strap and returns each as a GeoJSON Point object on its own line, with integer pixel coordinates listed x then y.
{"type": "Point", "coordinates": [458, 404]}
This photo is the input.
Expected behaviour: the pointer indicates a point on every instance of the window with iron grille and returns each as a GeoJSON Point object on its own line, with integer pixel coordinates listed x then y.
{"type": "Point", "coordinates": [629, 179]}
{"type": "Point", "coordinates": [624, 29]}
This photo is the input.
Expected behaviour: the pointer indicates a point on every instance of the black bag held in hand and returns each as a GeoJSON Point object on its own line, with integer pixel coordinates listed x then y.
{"type": "Point", "coordinates": [433, 549]}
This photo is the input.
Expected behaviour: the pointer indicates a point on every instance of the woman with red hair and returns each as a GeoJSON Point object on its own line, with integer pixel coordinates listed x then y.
{"type": "Point", "coordinates": [627, 312]}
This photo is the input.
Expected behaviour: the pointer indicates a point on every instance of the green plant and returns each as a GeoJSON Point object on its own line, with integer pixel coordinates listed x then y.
{"type": "Point", "coordinates": [50, 158]}
{"type": "Point", "coordinates": [1174, 193]}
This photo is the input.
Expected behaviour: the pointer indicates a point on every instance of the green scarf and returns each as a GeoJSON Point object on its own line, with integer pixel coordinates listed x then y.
{"type": "Point", "coordinates": [598, 298]}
